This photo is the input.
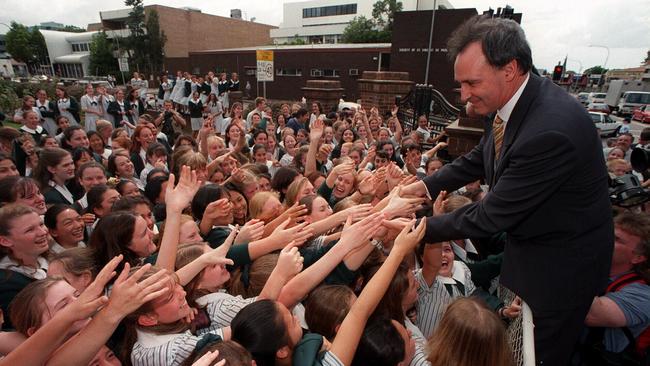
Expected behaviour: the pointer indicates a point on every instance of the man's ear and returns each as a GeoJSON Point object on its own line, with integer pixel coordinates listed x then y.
{"type": "Point", "coordinates": [283, 353]}
{"type": "Point", "coordinates": [511, 69]}
{"type": "Point", "coordinates": [147, 320]}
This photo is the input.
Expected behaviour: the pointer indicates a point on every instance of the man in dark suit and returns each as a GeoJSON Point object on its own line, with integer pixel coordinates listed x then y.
{"type": "Point", "coordinates": [542, 158]}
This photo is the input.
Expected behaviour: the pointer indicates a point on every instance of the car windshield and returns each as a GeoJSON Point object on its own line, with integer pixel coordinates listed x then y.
{"type": "Point", "coordinates": [638, 98]}
{"type": "Point", "coordinates": [600, 95]}
{"type": "Point", "coordinates": [595, 117]}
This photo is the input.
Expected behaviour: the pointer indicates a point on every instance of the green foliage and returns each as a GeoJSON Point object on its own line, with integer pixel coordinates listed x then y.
{"type": "Point", "coordinates": [596, 70]}
{"type": "Point", "coordinates": [363, 30]}
{"type": "Point", "coordinates": [8, 98]}
{"type": "Point", "coordinates": [102, 61]}
{"type": "Point", "coordinates": [383, 12]}
{"type": "Point", "coordinates": [26, 45]}
{"type": "Point", "coordinates": [376, 30]}
{"type": "Point", "coordinates": [73, 29]}
{"type": "Point", "coordinates": [135, 43]}
{"type": "Point", "coordinates": [295, 41]}
{"type": "Point", "coordinates": [155, 42]}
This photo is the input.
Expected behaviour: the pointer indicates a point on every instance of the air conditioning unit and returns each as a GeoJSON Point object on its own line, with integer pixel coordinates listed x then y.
{"type": "Point", "coordinates": [316, 72]}
{"type": "Point", "coordinates": [354, 72]}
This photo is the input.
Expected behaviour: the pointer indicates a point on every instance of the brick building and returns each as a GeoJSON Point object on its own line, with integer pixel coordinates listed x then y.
{"type": "Point", "coordinates": [294, 65]}
{"type": "Point", "coordinates": [189, 30]}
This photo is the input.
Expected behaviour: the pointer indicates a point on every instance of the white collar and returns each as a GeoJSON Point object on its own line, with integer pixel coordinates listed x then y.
{"type": "Point", "coordinates": [151, 340]}
{"type": "Point", "coordinates": [457, 275]}
{"type": "Point", "coordinates": [38, 129]}
{"type": "Point", "coordinates": [505, 111]}
{"type": "Point", "coordinates": [63, 190]}
{"type": "Point", "coordinates": [462, 252]}
{"type": "Point", "coordinates": [83, 201]}
{"type": "Point", "coordinates": [35, 273]}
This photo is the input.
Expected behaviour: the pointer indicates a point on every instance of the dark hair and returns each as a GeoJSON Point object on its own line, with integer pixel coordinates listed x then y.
{"type": "Point", "coordinates": [47, 158]}
{"type": "Point", "coordinates": [258, 147]}
{"type": "Point", "coordinates": [283, 179]}
{"type": "Point", "coordinates": [128, 203]}
{"type": "Point", "coordinates": [112, 166]}
{"type": "Point", "coordinates": [111, 237]}
{"type": "Point", "coordinates": [189, 138]}
{"type": "Point", "coordinates": [326, 307]}
{"type": "Point", "coordinates": [88, 165]}
{"type": "Point", "coordinates": [260, 329]}
{"type": "Point", "coordinates": [204, 196]}
{"type": "Point", "coordinates": [154, 187]}
{"type": "Point", "coordinates": [390, 305]}
{"type": "Point", "coordinates": [301, 112]}
{"type": "Point", "coordinates": [14, 187]}
{"type": "Point", "coordinates": [259, 132]}
{"type": "Point", "coordinates": [502, 41]}
{"type": "Point", "coordinates": [645, 134]}
{"type": "Point", "coordinates": [121, 184]}
{"type": "Point", "coordinates": [155, 171]}
{"type": "Point", "coordinates": [94, 197]}
{"type": "Point", "coordinates": [380, 345]}
{"type": "Point", "coordinates": [231, 351]}
{"type": "Point", "coordinates": [156, 149]}
{"type": "Point", "coordinates": [67, 135]}
{"type": "Point", "coordinates": [51, 214]}
{"type": "Point", "coordinates": [382, 154]}
{"type": "Point", "coordinates": [93, 133]}
{"type": "Point", "coordinates": [78, 152]}
{"type": "Point", "coordinates": [409, 147]}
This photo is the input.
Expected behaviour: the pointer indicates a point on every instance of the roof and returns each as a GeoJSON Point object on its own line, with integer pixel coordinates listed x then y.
{"type": "Point", "coordinates": [326, 46]}
{"type": "Point", "coordinates": [74, 58]}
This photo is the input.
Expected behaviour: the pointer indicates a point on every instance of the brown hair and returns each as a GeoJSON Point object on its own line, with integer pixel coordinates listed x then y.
{"type": "Point", "coordinates": [187, 253]}
{"type": "Point", "coordinates": [15, 187]}
{"type": "Point", "coordinates": [308, 201]}
{"type": "Point", "coordinates": [326, 307]}
{"type": "Point", "coordinates": [469, 334]}
{"type": "Point", "coordinates": [234, 354]}
{"type": "Point", "coordinates": [8, 215]}
{"type": "Point", "coordinates": [257, 202]}
{"type": "Point", "coordinates": [76, 261]}
{"type": "Point", "coordinates": [249, 282]}
{"type": "Point", "coordinates": [26, 309]}
{"type": "Point", "coordinates": [293, 190]}
{"type": "Point", "coordinates": [637, 224]}
{"type": "Point", "coordinates": [49, 157]}
{"type": "Point", "coordinates": [455, 202]}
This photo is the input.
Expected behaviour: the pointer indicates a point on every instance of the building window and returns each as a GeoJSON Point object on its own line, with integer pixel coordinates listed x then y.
{"type": "Point", "coordinates": [316, 72]}
{"type": "Point", "coordinates": [331, 73]}
{"type": "Point", "coordinates": [251, 70]}
{"type": "Point", "coordinates": [80, 47]}
{"type": "Point", "coordinates": [288, 72]}
{"type": "Point", "coordinates": [354, 72]}
{"type": "Point", "coordinates": [327, 11]}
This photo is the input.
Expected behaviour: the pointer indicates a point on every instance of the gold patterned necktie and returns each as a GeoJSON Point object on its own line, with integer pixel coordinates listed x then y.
{"type": "Point", "coordinates": [497, 133]}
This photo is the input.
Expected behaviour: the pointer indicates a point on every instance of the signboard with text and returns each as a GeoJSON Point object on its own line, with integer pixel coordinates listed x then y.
{"type": "Point", "coordinates": [265, 65]}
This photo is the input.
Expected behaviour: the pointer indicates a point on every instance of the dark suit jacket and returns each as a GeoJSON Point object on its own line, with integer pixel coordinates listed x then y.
{"type": "Point", "coordinates": [114, 110]}
{"type": "Point", "coordinates": [548, 193]}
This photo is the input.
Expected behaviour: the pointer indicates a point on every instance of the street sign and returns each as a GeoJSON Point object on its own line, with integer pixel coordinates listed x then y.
{"type": "Point", "coordinates": [265, 65]}
{"type": "Point", "coordinates": [124, 64]}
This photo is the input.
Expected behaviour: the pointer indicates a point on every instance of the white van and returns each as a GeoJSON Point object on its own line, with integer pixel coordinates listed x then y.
{"type": "Point", "coordinates": [632, 100]}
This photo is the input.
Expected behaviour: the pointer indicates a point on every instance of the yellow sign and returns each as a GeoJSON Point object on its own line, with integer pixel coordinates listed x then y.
{"type": "Point", "coordinates": [264, 55]}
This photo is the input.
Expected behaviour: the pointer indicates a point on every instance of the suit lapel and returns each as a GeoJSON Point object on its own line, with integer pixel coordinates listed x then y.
{"type": "Point", "coordinates": [517, 118]}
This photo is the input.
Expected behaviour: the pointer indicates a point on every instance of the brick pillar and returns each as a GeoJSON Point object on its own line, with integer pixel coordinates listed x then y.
{"type": "Point", "coordinates": [464, 133]}
{"type": "Point", "coordinates": [379, 89]}
{"type": "Point", "coordinates": [327, 92]}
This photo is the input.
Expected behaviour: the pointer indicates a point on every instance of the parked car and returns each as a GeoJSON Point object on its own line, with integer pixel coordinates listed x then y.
{"type": "Point", "coordinates": [596, 97]}
{"type": "Point", "coordinates": [583, 98]}
{"type": "Point", "coordinates": [605, 123]}
{"type": "Point", "coordinates": [642, 114]}
{"type": "Point", "coordinates": [598, 107]}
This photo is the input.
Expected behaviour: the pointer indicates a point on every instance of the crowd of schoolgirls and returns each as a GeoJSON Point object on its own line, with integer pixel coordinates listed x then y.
{"type": "Point", "coordinates": [267, 238]}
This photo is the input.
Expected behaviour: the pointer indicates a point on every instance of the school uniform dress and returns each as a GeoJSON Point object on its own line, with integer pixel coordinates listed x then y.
{"type": "Point", "coordinates": [222, 308]}
{"type": "Point", "coordinates": [47, 111]}
{"type": "Point", "coordinates": [13, 278]}
{"type": "Point", "coordinates": [69, 108]}
{"type": "Point", "coordinates": [90, 103]}
{"type": "Point", "coordinates": [433, 300]}
{"type": "Point", "coordinates": [152, 349]}
{"type": "Point", "coordinates": [223, 87]}
{"type": "Point", "coordinates": [116, 108]}
{"type": "Point", "coordinates": [105, 100]}
{"type": "Point", "coordinates": [216, 110]}
{"type": "Point", "coordinates": [177, 91]}
{"type": "Point", "coordinates": [196, 113]}
{"type": "Point", "coordinates": [186, 92]}
{"type": "Point", "coordinates": [164, 92]}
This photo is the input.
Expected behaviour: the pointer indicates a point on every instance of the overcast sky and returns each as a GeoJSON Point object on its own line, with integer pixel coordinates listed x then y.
{"type": "Point", "coordinates": [554, 28]}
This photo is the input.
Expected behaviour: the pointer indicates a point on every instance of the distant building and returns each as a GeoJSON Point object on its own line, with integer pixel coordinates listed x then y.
{"type": "Point", "coordinates": [51, 26]}
{"type": "Point", "coordinates": [633, 73]}
{"type": "Point", "coordinates": [67, 53]}
{"type": "Point", "coordinates": [323, 21]}
{"type": "Point", "coordinates": [189, 30]}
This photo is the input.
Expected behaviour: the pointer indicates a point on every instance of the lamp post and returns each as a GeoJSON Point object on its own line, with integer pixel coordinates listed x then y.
{"type": "Point", "coordinates": [606, 57]}
{"type": "Point", "coordinates": [433, 18]}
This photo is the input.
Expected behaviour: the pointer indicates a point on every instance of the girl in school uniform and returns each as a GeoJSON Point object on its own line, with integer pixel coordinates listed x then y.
{"type": "Point", "coordinates": [47, 111]}
{"type": "Point", "coordinates": [24, 191]}
{"type": "Point", "coordinates": [177, 90]}
{"type": "Point", "coordinates": [196, 113]}
{"type": "Point", "coordinates": [92, 108]}
{"type": "Point", "coordinates": [55, 170]}
{"type": "Point", "coordinates": [23, 244]}
{"type": "Point", "coordinates": [67, 106]}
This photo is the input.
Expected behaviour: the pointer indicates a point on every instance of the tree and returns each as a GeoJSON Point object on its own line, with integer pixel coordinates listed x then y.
{"type": "Point", "coordinates": [361, 30]}
{"type": "Point", "coordinates": [73, 29]}
{"type": "Point", "coordinates": [377, 29]}
{"type": "Point", "coordinates": [135, 42]}
{"type": "Point", "coordinates": [26, 45]}
{"type": "Point", "coordinates": [102, 61]}
{"type": "Point", "coordinates": [596, 70]}
{"type": "Point", "coordinates": [155, 42]}
{"type": "Point", "coordinates": [383, 12]}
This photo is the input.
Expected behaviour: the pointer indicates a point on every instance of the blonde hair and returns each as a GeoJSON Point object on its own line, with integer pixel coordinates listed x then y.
{"type": "Point", "coordinates": [455, 202]}
{"type": "Point", "coordinates": [469, 334]}
{"type": "Point", "coordinates": [294, 190]}
{"type": "Point", "coordinates": [256, 204]}
{"type": "Point", "coordinates": [612, 164]}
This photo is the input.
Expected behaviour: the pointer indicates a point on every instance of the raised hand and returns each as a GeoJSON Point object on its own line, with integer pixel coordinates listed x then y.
{"type": "Point", "coordinates": [297, 234]}
{"type": "Point", "coordinates": [358, 212]}
{"type": "Point", "coordinates": [359, 233]}
{"type": "Point", "coordinates": [394, 175]}
{"type": "Point", "coordinates": [251, 231]}
{"type": "Point", "coordinates": [407, 240]}
{"type": "Point", "coordinates": [290, 262]}
{"type": "Point", "coordinates": [440, 203]}
{"type": "Point", "coordinates": [215, 210]}
{"type": "Point", "coordinates": [208, 358]}
{"type": "Point", "coordinates": [129, 293]}
{"type": "Point", "coordinates": [294, 213]}
{"type": "Point", "coordinates": [514, 309]}
{"type": "Point", "coordinates": [401, 207]}
{"type": "Point", "coordinates": [223, 249]}
{"type": "Point", "coordinates": [92, 298]}
{"type": "Point", "coordinates": [316, 130]}
{"type": "Point", "coordinates": [343, 169]}
{"type": "Point", "coordinates": [177, 198]}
